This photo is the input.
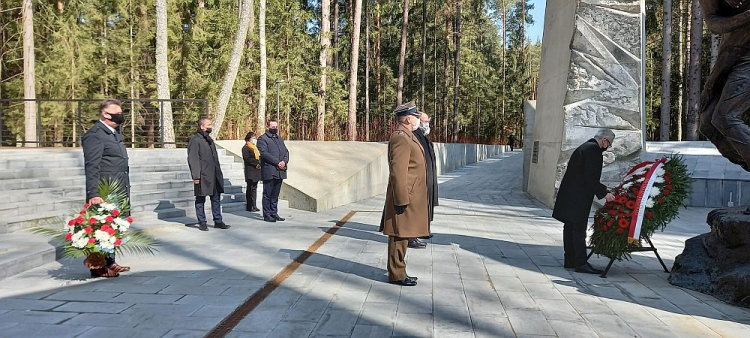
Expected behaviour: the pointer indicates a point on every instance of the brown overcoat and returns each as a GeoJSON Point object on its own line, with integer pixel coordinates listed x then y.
{"type": "Point", "coordinates": [407, 185]}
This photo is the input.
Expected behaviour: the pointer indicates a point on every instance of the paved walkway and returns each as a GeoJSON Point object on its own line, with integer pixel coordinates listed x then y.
{"type": "Point", "coordinates": [493, 269]}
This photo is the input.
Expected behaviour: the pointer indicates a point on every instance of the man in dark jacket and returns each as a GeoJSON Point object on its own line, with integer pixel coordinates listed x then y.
{"type": "Point", "coordinates": [208, 180]}
{"type": "Point", "coordinates": [251, 157]}
{"type": "Point", "coordinates": [432, 183]}
{"type": "Point", "coordinates": [106, 158]}
{"type": "Point", "coordinates": [577, 190]}
{"type": "Point", "coordinates": [274, 158]}
{"type": "Point", "coordinates": [512, 142]}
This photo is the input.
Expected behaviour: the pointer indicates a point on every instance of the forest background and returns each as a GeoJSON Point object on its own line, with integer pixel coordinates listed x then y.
{"type": "Point", "coordinates": [339, 66]}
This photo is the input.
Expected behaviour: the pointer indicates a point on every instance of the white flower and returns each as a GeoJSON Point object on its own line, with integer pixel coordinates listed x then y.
{"type": "Point", "coordinates": [81, 242]}
{"type": "Point", "coordinates": [649, 203]}
{"type": "Point", "coordinates": [639, 180]}
{"type": "Point", "coordinates": [101, 236]}
{"type": "Point", "coordinates": [659, 179]}
{"type": "Point", "coordinates": [627, 185]}
{"type": "Point", "coordinates": [122, 224]}
{"type": "Point", "coordinates": [660, 172]}
{"type": "Point", "coordinates": [108, 206]}
{"type": "Point", "coordinates": [654, 192]}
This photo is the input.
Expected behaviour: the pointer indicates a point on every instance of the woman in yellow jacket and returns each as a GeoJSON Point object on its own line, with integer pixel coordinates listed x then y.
{"type": "Point", "coordinates": [251, 157]}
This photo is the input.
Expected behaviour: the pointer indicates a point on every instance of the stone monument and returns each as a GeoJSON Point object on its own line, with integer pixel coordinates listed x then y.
{"type": "Point", "coordinates": [591, 77]}
{"type": "Point", "coordinates": [718, 263]}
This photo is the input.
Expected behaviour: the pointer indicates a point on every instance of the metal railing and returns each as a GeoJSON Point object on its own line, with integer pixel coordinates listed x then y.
{"type": "Point", "coordinates": [62, 122]}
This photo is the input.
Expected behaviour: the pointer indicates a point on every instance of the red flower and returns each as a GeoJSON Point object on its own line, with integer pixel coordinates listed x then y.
{"type": "Point", "coordinates": [612, 212]}
{"type": "Point", "coordinates": [622, 200]}
{"type": "Point", "coordinates": [92, 221]}
{"type": "Point", "coordinates": [649, 214]}
{"type": "Point", "coordinates": [667, 172]}
{"type": "Point", "coordinates": [72, 222]}
{"type": "Point", "coordinates": [118, 242]}
{"type": "Point", "coordinates": [666, 192]}
{"type": "Point", "coordinates": [630, 204]}
{"type": "Point", "coordinates": [92, 240]}
{"type": "Point", "coordinates": [82, 212]}
{"type": "Point", "coordinates": [115, 212]}
{"type": "Point", "coordinates": [79, 220]}
{"type": "Point", "coordinates": [623, 223]}
{"type": "Point", "coordinates": [86, 205]}
{"type": "Point", "coordinates": [609, 223]}
{"type": "Point", "coordinates": [667, 179]}
{"type": "Point", "coordinates": [660, 200]}
{"type": "Point", "coordinates": [88, 230]}
{"type": "Point", "coordinates": [105, 227]}
{"type": "Point", "coordinates": [620, 230]}
{"type": "Point", "coordinates": [109, 219]}
{"type": "Point", "coordinates": [68, 237]}
{"type": "Point", "coordinates": [668, 186]}
{"type": "Point", "coordinates": [111, 231]}
{"type": "Point", "coordinates": [129, 219]}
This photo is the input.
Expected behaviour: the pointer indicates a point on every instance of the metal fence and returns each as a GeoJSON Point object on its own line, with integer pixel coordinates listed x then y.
{"type": "Point", "coordinates": [62, 122]}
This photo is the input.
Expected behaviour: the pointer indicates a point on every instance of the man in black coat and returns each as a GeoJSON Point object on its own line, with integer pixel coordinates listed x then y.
{"type": "Point", "coordinates": [512, 142]}
{"type": "Point", "coordinates": [208, 180]}
{"type": "Point", "coordinates": [577, 190]}
{"type": "Point", "coordinates": [106, 158]}
{"type": "Point", "coordinates": [431, 166]}
{"type": "Point", "coordinates": [274, 158]}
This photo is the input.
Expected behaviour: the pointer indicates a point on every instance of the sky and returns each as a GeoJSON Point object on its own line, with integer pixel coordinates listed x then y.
{"type": "Point", "coordinates": [535, 31]}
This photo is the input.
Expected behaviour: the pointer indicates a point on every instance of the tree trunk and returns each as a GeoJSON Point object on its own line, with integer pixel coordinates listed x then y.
{"type": "Point", "coordinates": [666, 77]}
{"type": "Point", "coordinates": [456, 70]}
{"type": "Point", "coordinates": [696, 45]}
{"type": "Point", "coordinates": [715, 40]}
{"type": "Point", "coordinates": [29, 76]}
{"type": "Point", "coordinates": [354, 63]}
{"type": "Point", "coordinates": [234, 63]}
{"type": "Point", "coordinates": [504, 17]}
{"type": "Point", "coordinates": [446, 71]}
{"type": "Point", "coordinates": [424, 51]}
{"type": "Point", "coordinates": [162, 73]}
{"type": "Point", "coordinates": [333, 59]}
{"type": "Point", "coordinates": [402, 54]}
{"type": "Point", "coordinates": [325, 43]}
{"type": "Point", "coordinates": [262, 87]}
{"type": "Point", "coordinates": [378, 83]}
{"type": "Point", "coordinates": [249, 98]}
{"type": "Point", "coordinates": [367, 70]}
{"type": "Point", "coordinates": [681, 69]}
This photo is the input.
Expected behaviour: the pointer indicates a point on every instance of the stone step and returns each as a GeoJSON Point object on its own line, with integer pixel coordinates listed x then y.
{"type": "Point", "coordinates": [72, 181]}
{"type": "Point", "coordinates": [25, 251]}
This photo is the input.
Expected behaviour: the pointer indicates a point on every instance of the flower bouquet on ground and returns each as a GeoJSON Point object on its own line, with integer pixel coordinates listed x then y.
{"type": "Point", "coordinates": [648, 199]}
{"type": "Point", "coordinates": [100, 230]}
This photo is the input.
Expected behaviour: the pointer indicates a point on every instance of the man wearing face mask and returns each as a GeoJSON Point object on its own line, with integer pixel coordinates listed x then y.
{"type": "Point", "coordinates": [251, 157]}
{"type": "Point", "coordinates": [432, 185]}
{"type": "Point", "coordinates": [405, 213]}
{"type": "Point", "coordinates": [577, 189]}
{"type": "Point", "coordinates": [208, 180]}
{"type": "Point", "coordinates": [274, 158]}
{"type": "Point", "coordinates": [106, 158]}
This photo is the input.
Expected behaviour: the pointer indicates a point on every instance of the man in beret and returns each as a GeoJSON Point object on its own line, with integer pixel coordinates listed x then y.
{"type": "Point", "coordinates": [405, 212]}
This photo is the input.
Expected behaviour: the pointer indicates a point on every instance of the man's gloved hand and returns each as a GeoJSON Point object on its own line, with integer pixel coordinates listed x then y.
{"type": "Point", "coordinates": [400, 209]}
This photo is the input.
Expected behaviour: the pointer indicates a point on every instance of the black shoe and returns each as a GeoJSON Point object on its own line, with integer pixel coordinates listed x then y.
{"type": "Point", "coordinates": [202, 227]}
{"type": "Point", "coordinates": [569, 265]}
{"type": "Point", "coordinates": [269, 219]}
{"type": "Point", "coordinates": [426, 237]}
{"type": "Point", "coordinates": [587, 268]}
{"type": "Point", "coordinates": [221, 225]}
{"type": "Point", "coordinates": [255, 209]}
{"type": "Point", "coordinates": [408, 281]}
{"type": "Point", "coordinates": [412, 277]}
{"type": "Point", "coordinates": [278, 218]}
{"type": "Point", "coordinates": [416, 244]}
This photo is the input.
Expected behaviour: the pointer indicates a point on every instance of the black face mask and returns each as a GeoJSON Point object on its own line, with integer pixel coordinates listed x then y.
{"type": "Point", "coordinates": [117, 118]}
{"type": "Point", "coordinates": [209, 130]}
{"type": "Point", "coordinates": [273, 131]}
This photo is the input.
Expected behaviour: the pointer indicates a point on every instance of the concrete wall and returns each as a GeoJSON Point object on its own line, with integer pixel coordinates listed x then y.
{"type": "Point", "coordinates": [559, 26]}
{"type": "Point", "coordinates": [529, 111]}
{"type": "Point", "coordinates": [326, 175]}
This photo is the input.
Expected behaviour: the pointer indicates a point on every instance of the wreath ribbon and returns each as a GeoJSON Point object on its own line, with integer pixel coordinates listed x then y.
{"type": "Point", "coordinates": [634, 233]}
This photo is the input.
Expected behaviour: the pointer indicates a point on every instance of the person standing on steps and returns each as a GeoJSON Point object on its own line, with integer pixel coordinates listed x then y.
{"type": "Point", "coordinates": [432, 185]}
{"type": "Point", "coordinates": [274, 158]}
{"type": "Point", "coordinates": [106, 158]}
{"type": "Point", "coordinates": [405, 212]}
{"type": "Point", "coordinates": [208, 180]}
{"type": "Point", "coordinates": [577, 189]}
{"type": "Point", "coordinates": [251, 157]}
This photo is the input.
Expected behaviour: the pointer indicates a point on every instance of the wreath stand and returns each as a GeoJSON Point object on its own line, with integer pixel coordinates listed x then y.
{"type": "Point", "coordinates": [637, 249]}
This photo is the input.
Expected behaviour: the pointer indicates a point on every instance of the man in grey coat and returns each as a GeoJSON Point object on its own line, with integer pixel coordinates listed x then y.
{"type": "Point", "coordinates": [206, 172]}
{"type": "Point", "coordinates": [106, 158]}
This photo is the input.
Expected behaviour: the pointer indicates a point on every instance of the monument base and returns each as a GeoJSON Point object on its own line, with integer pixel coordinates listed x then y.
{"type": "Point", "coordinates": [718, 263]}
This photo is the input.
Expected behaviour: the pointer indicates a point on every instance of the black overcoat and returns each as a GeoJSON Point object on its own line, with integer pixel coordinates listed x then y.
{"type": "Point", "coordinates": [431, 164]}
{"type": "Point", "coordinates": [272, 151]}
{"type": "Point", "coordinates": [105, 157]}
{"type": "Point", "coordinates": [580, 184]}
{"type": "Point", "coordinates": [252, 172]}
{"type": "Point", "coordinates": [204, 165]}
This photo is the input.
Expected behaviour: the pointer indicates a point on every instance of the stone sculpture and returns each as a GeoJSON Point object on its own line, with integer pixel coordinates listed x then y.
{"type": "Point", "coordinates": [718, 263]}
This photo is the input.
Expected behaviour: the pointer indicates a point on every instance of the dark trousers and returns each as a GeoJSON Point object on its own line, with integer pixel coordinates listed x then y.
{"type": "Point", "coordinates": [271, 191]}
{"type": "Point", "coordinates": [200, 203]}
{"type": "Point", "coordinates": [251, 195]}
{"type": "Point", "coordinates": [574, 242]}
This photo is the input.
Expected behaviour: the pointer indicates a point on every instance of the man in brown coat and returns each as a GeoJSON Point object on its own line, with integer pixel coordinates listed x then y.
{"type": "Point", "coordinates": [405, 212]}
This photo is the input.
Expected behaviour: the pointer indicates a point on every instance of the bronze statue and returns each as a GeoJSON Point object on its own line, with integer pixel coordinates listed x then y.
{"type": "Point", "coordinates": [726, 97]}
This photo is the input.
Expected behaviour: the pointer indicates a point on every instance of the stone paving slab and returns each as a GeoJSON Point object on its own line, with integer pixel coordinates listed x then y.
{"type": "Point", "coordinates": [493, 269]}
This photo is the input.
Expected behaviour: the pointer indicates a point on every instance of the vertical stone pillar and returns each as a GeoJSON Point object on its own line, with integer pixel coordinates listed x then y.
{"type": "Point", "coordinates": [529, 108]}
{"type": "Point", "coordinates": [591, 77]}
